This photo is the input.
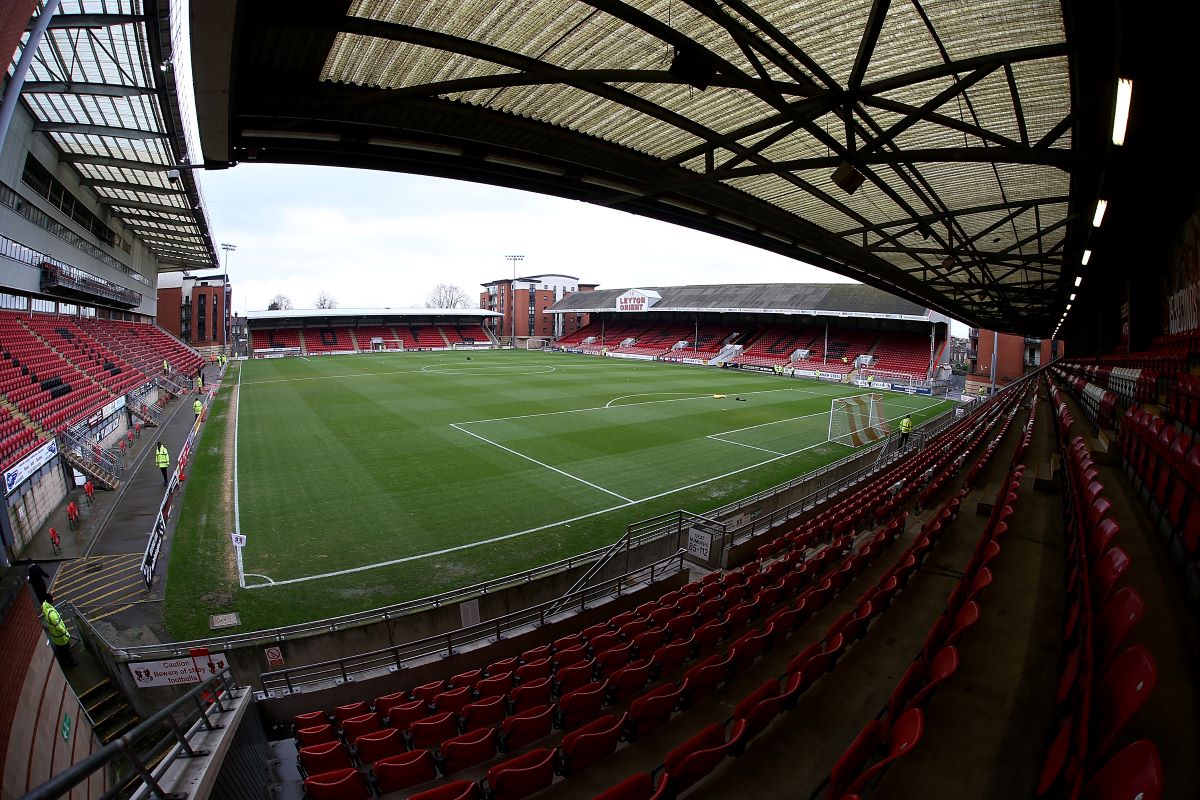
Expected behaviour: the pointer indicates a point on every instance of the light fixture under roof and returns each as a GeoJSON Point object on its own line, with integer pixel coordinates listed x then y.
{"type": "Point", "coordinates": [1068, 306]}
{"type": "Point", "coordinates": [1072, 297]}
{"type": "Point", "coordinates": [1101, 207]}
{"type": "Point", "coordinates": [1087, 256]}
{"type": "Point", "coordinates": [1121, 111]}
{"type": "Point", "coordinates": [1078, 280]}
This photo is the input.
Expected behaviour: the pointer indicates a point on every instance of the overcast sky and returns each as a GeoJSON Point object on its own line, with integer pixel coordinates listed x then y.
{"type": "Point", "coordinates": [379, 239]}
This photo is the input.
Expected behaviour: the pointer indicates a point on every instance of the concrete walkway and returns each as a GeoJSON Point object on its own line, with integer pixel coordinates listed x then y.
{"type": "Point", "coordinates": [98, 567]}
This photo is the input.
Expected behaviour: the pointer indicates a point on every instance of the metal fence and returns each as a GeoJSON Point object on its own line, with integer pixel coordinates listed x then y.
{"type": "Point", "coordinates": [132, 755]}
{"type": "Point", "coordinates": [396, 657]}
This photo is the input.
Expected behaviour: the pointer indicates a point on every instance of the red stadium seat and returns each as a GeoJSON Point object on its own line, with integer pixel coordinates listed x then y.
{"type": "Point", "coordinates": [453, 701]}
{"type": "Point", "coordinates": [526, 726]}
{"type": "Point", "coordinates": [343, 713]}
{"type": "Point", "coordinates": [494, 686]}
{"type": "Point", "coordinates": [612, 659]}
{"type": "Point", "coordinates": [317, 734]}
{"type": "Point", "coordinates": [1135, 772]}
{"type": "Point", "coordinates": [468, 749]}
{"type": "Point", "coordinates": [581, 705]}
{"type": "Point", "coordinates": [1119, 694]}
{"type": "Point", "coordinates": [572, 677]}
{"type": "Point", "coordinates": [325, 757]}
{"type": "Point", "coordinates": [309, 719]}
{"type": "Point", "coordinates": [535, 670]}
{"type": "Point", "coordinates": [357, 726]}
{"type": "Point", "coordinates": [342, 784]}
{"type": "Point", "coordinates": [370, 747]}
{"type": "Point", "coordinates": [587, 745]}
{"type": "Point", "coordinates": [432, 730]}
{"type": "Point", "coordinates": [1114, 623]}
{"type": "Point", "coordinates": [628, 680]}
{"type": "Point", "coordinates": [403, 770]}
{"type": "Point", "coordinates": [401, 715]}
{"type": "Point", "coordinates": [635, 787]}
{"type": "Point", "coordinates": [485, 713]}
{"type": "Point", "coordinates": [695, 758]}
{"type": "Point", "coordinates": [903, 737]}
{"type": "Point", "coordinates": [702, 679]}
{"type": "Point", "coordinates": [653, 709]}
{"type": "Point", "coordinates": [522, 776]}
{"type": "Point", "coordinates": [534, 693]}
{"type": "Point", "coordinates": [455, 790]}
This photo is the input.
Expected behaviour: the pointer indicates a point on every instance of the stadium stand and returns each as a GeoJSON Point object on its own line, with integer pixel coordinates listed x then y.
{"type": "Point", "coordinates": [904, 353]}
{"type": "Point", "coordinates": [690, 643]}
{"type": "Point", "coordinates": [365, 333]}
{"type": "Point", "coordinates": [773, 345]}
{"type": "Point", "coordinates": [427, 336]}
{"type": "Point", "coordinates": [328, 340]}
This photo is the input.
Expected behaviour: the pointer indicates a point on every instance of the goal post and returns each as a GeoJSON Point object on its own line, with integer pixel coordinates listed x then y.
{"type": "Point", "coordinates": [535, 343]}
{"type": "Point", "coordinates": [858, 420]}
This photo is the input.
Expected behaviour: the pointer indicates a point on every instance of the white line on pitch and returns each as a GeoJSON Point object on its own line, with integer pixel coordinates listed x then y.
{"type": "Point", "coordinates": [540, 463]}
{"type": "Point", "coordinates": [643, 403]}
{"type": "Point", "coordinates": [547, 526]}
{"type": "Point", "coordinates": [717, 438]}
{"type": "Point", "coordinates": [237, 513]}
{"type": "Point", "coordinates": [776, 422]}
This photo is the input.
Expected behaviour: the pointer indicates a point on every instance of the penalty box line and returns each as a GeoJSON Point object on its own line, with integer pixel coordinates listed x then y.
{"type": "Point", "coordinates": [527, 531]}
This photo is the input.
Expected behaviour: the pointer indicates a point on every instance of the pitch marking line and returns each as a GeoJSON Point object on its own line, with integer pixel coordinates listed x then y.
{"type": "Point", "coordinates": [527, 531]}
{"type": "Point", "coordinates": [540, 463]}
{"type": "Point", "coordinates": [707, 396]}
{"type": "Point", "coordinates": [717, 438]}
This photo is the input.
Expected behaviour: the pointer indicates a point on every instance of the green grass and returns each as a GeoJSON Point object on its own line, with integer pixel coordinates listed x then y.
{"type": "Point", "coordinates": [349, 461]}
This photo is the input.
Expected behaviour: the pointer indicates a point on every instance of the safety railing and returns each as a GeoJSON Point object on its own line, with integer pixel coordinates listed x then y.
{"type": "Point", "coordinates": [107, 459]}
{"type": "Point", "coordinates": [132, 755]}
{"type": "Point", "coordinates": [395, 657]}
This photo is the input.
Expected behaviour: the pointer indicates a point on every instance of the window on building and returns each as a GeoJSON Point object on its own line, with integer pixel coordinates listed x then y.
{"type": "Point", "coordinates": [14, 301]}
{"type": "Point", "coordinates": [43, 305]}
{"type": "Point", "coordinates": [38, 178]}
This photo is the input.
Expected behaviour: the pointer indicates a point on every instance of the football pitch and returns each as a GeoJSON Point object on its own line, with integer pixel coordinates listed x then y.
{"type": "Point", "coordinates": [369, 479]}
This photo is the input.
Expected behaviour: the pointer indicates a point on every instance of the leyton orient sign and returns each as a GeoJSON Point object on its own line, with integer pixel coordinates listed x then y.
{"type": "Point", "coordinates": [637, 300]}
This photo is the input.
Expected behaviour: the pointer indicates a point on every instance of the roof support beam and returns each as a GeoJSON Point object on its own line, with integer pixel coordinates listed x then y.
{"type": "Point", "coordinates": [133, 187]}
{"type": "Point", "coordinates": [120, 202]}
{"type": "Point", "coordinates": [1062, 159]}
{"type": "Point", "coordinates": [84, 88]}
{"type": "Point", "coordinates": [92, 20]}
{"type": "Point", "coordinates": [97, 130]}
{"type": "Point", "coordinates": [956, 212]}
{"type": "Point", "coordinates": [951, 68]}
{"type": "Point", "coordinates": [866, 47]}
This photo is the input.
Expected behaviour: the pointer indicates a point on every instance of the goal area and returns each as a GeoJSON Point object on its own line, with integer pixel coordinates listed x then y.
{"type": "Point", "coordinates": [535, 343]}
{"type": "Point", "coordinates": [858, 420]}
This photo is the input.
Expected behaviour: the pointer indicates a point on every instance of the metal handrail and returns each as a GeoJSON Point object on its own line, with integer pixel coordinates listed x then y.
{"type": "Point", "coordinates": [586, 577]}
{"type": "Point", "coordinates": [199, 705]}
{"type": "Point", "coordinates": [313, 627]}
{"type": "Point", "coordinates": [395, 657]}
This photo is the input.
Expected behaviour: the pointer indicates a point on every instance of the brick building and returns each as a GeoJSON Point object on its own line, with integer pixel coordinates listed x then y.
{"type": "Point", "coordinates": [1015, 356]}
{"type": "Point", "coordinates": [196, 308]}
{"type": "Point", "coordinates": [532, 296]}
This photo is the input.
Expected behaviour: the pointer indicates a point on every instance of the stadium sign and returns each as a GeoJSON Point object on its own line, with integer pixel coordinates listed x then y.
{"type": "Point", "coordinates": [192, 668]}
{"type": "Point", "coordinates": [637, 300]}
{"type": "Point", "coordinates": [27, 466]}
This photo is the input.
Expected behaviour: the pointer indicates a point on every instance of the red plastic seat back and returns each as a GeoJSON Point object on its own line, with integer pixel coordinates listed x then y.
{"type": "Point", "coordinates": [522, 776]}
{"type": "Point", "coordinates": [455, 790]}
{"type": "Point", "coordinates": [1120, 614]}
{"type": "Point", "coordinates": [1119, 694]}
{"type": "Point", "coordinates": [527, 726]}
{"type": "Point", "coordinates": [342, 784]}
{"type": "Point", "coordinates": [592, 742]}
{"type": "Point", "coordinates": [1135, 772]}
{"type": "Point", "coordinates": [469, 749]}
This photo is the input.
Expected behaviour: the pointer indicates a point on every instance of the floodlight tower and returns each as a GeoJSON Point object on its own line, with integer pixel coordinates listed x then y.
{"type": "Point", "coordinates": [228, 248]}
{"type": "Point", "coordinates": [512, 296]}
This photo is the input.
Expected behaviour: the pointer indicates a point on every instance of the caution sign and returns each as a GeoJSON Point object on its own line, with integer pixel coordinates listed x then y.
{"type": "Point", "coordinates": [274, 656]}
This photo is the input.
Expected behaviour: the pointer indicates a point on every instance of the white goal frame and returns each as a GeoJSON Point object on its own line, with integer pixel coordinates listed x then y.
{"type": "Point", "coordinates": [536, 343]}
{"type": "Point", "coordinates": [858, 420]}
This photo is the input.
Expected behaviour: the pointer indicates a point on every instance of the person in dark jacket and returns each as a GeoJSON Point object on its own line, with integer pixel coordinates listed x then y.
{"type": "Point", "coordinates": [39, 581]}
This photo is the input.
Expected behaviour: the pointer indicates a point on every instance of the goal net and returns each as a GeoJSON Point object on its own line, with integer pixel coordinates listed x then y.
{"type": "Point", "coordinates": [858, 420]}
{"type": "Point", "coordinates": [533, 343]}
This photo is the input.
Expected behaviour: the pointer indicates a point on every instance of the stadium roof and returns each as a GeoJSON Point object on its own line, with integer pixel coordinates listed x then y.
{"type": "Point", "coordinates": [332, 313]}
{"type": "Point", "coordinates": [979, 163]}
{"type": "Point", "coordinates": [816, 299]}
{"type": "Point", "coordinates": [103, 89]}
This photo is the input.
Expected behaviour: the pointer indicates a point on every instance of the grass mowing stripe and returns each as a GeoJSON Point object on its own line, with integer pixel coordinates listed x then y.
{"type": "Point", "coordinates": [365, 481]}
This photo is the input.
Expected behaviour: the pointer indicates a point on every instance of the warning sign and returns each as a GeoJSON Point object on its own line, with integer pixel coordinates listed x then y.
{"type": "Point", "coordinates": [176, 671]}
{"type": "Point", "coordinates": [274, 656]}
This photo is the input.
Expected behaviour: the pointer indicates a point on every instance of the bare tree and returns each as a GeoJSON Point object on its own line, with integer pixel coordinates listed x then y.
{"type": "Point", "coordinates": [326, 300]}
{"type": "Point", "coordinates": [280, 302]}
{"type": "Point", "coordinates": [447, 295]}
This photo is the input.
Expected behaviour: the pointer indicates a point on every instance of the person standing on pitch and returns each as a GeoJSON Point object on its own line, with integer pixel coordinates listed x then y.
{"type": "Point", "coordinates": [906, 426]}
{"type": "Point", "coordinates": [56, 630]}
{"type": "Point", "coordinates": [162, 459]}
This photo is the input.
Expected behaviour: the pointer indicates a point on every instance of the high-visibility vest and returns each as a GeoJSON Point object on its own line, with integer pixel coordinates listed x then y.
{"type": "Point", "coordinates": [906, 425]}
{"type": "Point", "coordinates": [161, 457]}
{"type": "Point", "coordinates": [52, 621]}
{"type": "Point", "coordinates": [198, 406]}
{"type": "Point", "coordinates": [165, 365]}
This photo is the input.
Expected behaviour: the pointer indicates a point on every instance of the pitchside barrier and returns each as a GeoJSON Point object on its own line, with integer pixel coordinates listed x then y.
{"type": "Point", "coordinates": [158, 530]}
